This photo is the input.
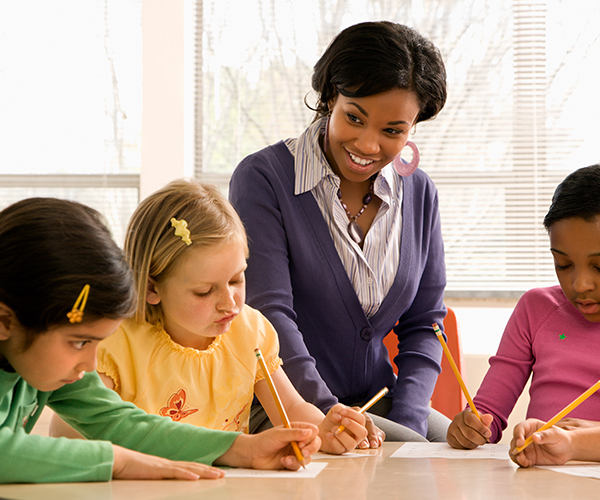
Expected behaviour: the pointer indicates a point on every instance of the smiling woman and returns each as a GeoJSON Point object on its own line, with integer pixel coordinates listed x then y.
{"type": "Point", "coordinates": [364, 134]}
{"type": "Point", "coordinates": [345, 236]}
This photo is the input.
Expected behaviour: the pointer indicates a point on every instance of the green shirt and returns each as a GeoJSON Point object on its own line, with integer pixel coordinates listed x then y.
{"type": "Point", "coordinates": [103, 418]}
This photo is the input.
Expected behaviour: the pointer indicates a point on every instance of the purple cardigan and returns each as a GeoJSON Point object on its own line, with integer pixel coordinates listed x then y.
{"type": "Point", "coordinates": [331, 351]}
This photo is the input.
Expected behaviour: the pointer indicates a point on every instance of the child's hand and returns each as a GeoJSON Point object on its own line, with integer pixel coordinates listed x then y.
{"type": "Point", "coordinates": [570, 424]}
{"type": "Point", "coordinates": [272, 449]}
{"type": "Point", "coordinates": [353, 434]}
{"type": "Point", "coordinates": [467, 432]}
{"type": "Point", "coordinates": [550, 447]}
{"type": "Point", "coordinates": [129, 464]}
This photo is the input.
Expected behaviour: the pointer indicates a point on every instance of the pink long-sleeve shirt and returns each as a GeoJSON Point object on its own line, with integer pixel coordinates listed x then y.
{"type": "Point", "coordinates": [546, 337]}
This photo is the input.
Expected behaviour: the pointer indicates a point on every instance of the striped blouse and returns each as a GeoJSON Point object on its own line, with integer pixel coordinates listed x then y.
{"type": "Point", "coordinates": [373, 268]}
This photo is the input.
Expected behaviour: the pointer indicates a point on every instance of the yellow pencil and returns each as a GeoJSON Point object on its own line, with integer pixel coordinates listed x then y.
{"type": "Point", "coordinates": [370, 403]}
{"type": "Point", "coordinates": [440, 337]}
{"type": "Point", "coordinates": [282, 413]}
{"type": "Point", "coordinates": [560, 415]}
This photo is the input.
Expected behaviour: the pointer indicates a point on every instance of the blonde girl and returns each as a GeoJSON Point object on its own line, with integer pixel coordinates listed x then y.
{"type": "Point", "coordinates": [64, 287]}
{"type": "Point", "coordinates": [189, 352]}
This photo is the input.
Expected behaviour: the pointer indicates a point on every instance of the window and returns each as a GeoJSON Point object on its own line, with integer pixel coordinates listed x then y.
{"type": "Point", "coordinates": [70, 95]}
{"type": "Point", "coordinates": [520, 115]}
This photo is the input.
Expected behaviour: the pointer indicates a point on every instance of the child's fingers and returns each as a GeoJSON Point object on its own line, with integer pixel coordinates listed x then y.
{"type": "Point", "coordinates": [481, 424]}
{"type": "Point", "coordinates": [352, 435]}
{"type": "Point", "coordinates": [467, 432]}
{"type": "Point", "coordinates": [465, 439]}
{"type": "Point", "coordinates": [308, 440]}
{"type": "Point", "coordinates": [354, 420]}
{"type": "Point", "coordinates": [185, 470]}
{"type": "Point", "coordinates": [342, 412]}
{"type": "Point", "coordinates": [129, 464]}
{"type": "Point", "coordinates": [525, 429]}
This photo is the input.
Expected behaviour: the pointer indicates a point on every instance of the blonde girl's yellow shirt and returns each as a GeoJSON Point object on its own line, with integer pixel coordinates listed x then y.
{"type": "Point", "coordinates": [213, 388]}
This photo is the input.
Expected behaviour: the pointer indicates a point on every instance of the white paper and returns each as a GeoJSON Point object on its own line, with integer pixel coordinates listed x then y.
{"type": "Point", "coordinates": [583, 470]}
{"type": "Point", "coordinates": [312, 470]}
{"type": "Point", "coordinates": [326, 456]}
{"type": "Point", "coordinates": [444, 450]}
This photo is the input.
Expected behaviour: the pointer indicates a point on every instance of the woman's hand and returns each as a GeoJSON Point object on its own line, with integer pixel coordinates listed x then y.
{"type": "Point", "coordinates": [375, 436]}
{"type": "Point", "coordinates": [550, 447]}
{"type": "Point", "coordinates": [129, 464]}
{"type": "Point", "coordinates": [346, 440]}
{"type": "Point", "coordinates": [467, 432]}
{"type": "Point", "coordinates": [272, 449]}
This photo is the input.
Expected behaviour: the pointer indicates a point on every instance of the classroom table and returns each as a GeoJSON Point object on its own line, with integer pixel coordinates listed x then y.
{"type": "Point", "coordinates": [377, 477]}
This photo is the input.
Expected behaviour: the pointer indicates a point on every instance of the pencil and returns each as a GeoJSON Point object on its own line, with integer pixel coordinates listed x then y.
{"type": "Point", "coordinates": [370, 403]}
{"type": "Point", "coordinates": [560, 415]}
{"type": "Point", "coordinates": [282, 413]}
{"type": "Point", "coordinates": [440, 337]}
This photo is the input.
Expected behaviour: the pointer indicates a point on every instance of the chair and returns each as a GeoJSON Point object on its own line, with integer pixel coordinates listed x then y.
{"type": "Point", "coordinates": [447, 396]}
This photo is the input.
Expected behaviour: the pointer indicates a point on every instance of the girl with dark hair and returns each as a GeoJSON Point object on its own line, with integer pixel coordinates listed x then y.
{"type": "Point", "coordinates": [345, 237]}
{"type": "Point", "coordinates": [553, 333]}
{"type": "Point", "coordinates": [64, 287]}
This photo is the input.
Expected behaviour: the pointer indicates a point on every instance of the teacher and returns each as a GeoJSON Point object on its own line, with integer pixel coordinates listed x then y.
{"type": "Point", "coordinates": [345, 237]}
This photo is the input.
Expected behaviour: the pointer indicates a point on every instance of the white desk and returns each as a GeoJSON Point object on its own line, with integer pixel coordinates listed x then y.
{"type": "Point", "coordinates": [374, 478]}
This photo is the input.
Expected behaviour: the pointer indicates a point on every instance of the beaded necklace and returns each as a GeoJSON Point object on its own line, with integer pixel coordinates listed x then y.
{"type": "Point", "coordinates": [354, 229]}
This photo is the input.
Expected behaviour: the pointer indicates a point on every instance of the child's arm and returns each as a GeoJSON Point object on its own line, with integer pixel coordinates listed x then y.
{"type": "Point", "coordinates": [554, 446]}
{"type": "Point", "coordinates": [129, 464]}
{"type": "Point", "coordinates": [59, 428]}
{"type": "Point", "coordinates": [570, 424]}
{"type": "Point", "coordinates": [272, 449]}
{"type": "Point", "coordinates": [467, 432]}
{"type": "Point", "coordinates": [299, 410]}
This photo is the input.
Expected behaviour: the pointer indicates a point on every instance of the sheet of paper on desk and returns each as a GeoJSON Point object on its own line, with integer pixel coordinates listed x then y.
{"type": "Point", "coordinates": [444, 450]}
{"type": "Point", "coordinates": [326, 456]}
{"type": "Point", "coordinates": [583, 469]}
{"type": "Point", "coordinates": [312, 470]}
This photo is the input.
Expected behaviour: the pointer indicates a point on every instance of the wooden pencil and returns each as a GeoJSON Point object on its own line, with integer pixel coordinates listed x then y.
{"type": "Point", "coordinates": [280, 408]}
{"type": "Point", "coordinates": [368, 405]}
{"type": "Point", "coordinates": [448, 354]}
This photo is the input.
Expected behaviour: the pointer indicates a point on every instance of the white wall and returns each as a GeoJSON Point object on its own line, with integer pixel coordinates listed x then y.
{"type": "Point", "coordinates": [164, 103]}
{"type": "Point", "coordinates": [481, 328]}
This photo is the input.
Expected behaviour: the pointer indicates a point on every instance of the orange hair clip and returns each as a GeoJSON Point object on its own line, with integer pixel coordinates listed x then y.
{"type": "Point", "coordinates": [76, 314]}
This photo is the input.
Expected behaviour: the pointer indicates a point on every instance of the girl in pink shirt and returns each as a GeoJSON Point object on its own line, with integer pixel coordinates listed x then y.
{"type": "Point", "coordinates": [554, 333]}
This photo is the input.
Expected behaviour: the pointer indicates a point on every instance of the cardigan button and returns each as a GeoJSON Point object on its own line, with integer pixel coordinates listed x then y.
{"type": "Point", "coordinates": [366, 333]}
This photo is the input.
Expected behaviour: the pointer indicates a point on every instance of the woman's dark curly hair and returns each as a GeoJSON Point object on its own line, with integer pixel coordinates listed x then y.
{"type": "Point", "coordinates": [374, 57]}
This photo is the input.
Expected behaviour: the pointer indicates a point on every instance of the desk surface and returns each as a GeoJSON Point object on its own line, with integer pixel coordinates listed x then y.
{"type": "Point", "coordinates": [377, 477]}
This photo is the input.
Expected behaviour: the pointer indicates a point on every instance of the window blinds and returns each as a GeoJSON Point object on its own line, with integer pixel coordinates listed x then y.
{"type": "Point", "coordinates": [521, 112]}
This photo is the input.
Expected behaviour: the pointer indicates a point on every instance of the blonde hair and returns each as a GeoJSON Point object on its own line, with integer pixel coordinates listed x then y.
{"type": "Point", "coordinates": [151, 246]}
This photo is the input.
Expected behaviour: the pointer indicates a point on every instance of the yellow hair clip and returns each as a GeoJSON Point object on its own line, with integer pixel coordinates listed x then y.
{"type": "Point", "coordinates": [181, 230]}
{"type": "Point", "coordinates": [76, 314]}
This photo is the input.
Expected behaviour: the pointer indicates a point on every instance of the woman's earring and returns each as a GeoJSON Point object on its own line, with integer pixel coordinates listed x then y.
{"type": "Point", "coordinates": [403, 168]}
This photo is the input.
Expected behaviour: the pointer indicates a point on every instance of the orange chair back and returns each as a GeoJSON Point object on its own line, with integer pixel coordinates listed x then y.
{"type": "Point", "coordinates": [447, 396]}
